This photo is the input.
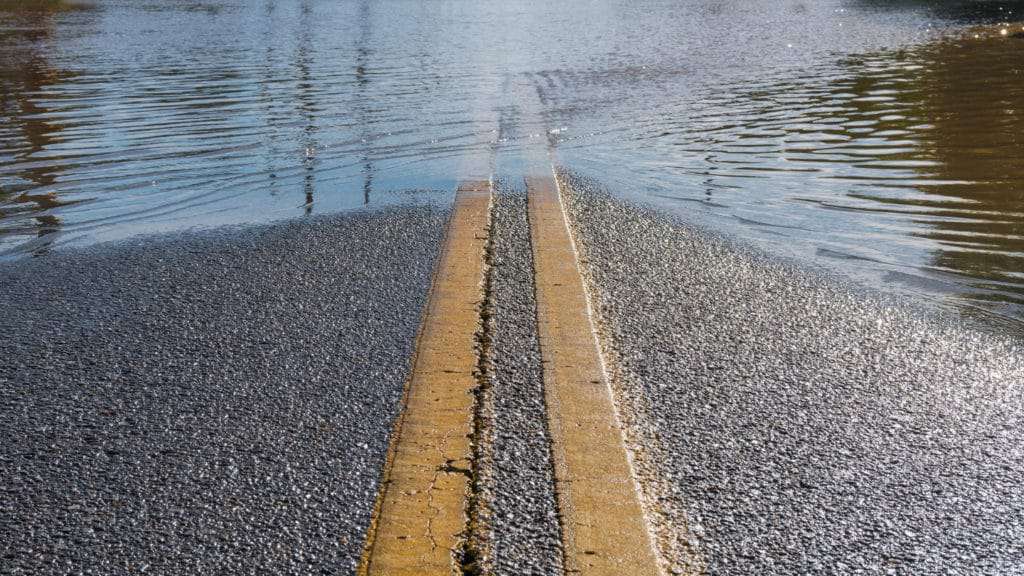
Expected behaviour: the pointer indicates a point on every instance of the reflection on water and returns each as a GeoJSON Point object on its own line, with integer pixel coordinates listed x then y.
{"type": "Point", "coordinates": [307, 104]}
{"type": "Point", "coordinates": [881, 137]}
{"type": "Point", "coordinates": [28, 204]}
{"type": "Point", "coordinates": [970, 93]}
{"type": "Point", "coordinates": [908, 164]}
{"type": "Point", "coordinates": [122, 117]}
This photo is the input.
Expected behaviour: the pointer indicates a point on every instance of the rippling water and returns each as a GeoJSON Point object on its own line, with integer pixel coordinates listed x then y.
{"type": "Point", "coordinates": [906, 165]}
{"type": "Point", "coordinates": [881, 138]}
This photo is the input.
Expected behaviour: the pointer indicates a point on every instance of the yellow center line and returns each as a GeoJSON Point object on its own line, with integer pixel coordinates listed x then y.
{"type": "Point", "coordinates": [421, 514]}
{"type": "Point", "coordinates": [604, 531]}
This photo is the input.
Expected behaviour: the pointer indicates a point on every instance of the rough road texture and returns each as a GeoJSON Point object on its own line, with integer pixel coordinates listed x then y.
{"type": "Point", "coordinates": [806, 427]}
{"type": "Point", "coordinates": [214, 405]}
{"type": "Point", "coordinates": [524, 522]}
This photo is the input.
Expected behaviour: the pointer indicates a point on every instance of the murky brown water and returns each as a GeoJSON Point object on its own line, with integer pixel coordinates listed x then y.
{"type": "Point", "coordinates": [906, 165]}
{"type": "Point", "coordinates": [882, 139]}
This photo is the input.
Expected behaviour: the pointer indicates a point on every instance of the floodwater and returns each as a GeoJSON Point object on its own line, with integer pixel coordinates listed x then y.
{"type": "Point", "coordinates": [882, 140]}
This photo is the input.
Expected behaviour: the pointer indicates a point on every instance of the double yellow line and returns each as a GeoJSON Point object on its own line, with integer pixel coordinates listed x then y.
{"type": "Point", "coordinates": [421, 517]}
{"type": "Point", "coordinates": [421, 514]}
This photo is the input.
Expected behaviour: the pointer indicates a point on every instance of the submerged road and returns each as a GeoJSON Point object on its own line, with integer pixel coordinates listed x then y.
{"type": "Point", "coordinates": [225, 403]}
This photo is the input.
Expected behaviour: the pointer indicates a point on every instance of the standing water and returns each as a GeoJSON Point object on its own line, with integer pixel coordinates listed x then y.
{"type": "Point", "coordinates": [882, 139]}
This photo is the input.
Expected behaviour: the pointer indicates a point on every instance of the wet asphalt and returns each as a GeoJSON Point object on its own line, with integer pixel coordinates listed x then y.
{"type": "Point", "coordinates": [221, 402]}
{"type": "Point", "coordinates": [791, 424]}
{"type": "Point", "coordinates": [525, 534]}
{"type": "Point", "coordinates": [210, 404]}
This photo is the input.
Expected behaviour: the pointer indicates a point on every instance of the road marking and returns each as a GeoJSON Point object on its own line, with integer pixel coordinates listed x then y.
{"type": "Point", "coordinates": [421, 515]}
{"type": "Point", "coordinates": [603, 527]}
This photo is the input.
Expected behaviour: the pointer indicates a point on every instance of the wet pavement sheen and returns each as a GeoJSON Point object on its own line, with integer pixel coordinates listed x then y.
{"type": "Point", "coordinates": [792, 424]}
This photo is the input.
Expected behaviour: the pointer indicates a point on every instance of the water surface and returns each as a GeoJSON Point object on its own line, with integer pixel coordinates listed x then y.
{"type": "Point", "coordinates": [881, 139]}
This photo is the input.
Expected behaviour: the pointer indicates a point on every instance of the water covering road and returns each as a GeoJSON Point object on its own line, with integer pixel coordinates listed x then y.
{"type": "Point", "coordinates": [223, 400]}
{"type": "Point", "coordinates": [876, 138]}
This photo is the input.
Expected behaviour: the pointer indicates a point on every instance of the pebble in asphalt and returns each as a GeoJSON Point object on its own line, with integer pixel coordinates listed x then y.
{"type": "Point", "coordinates": [214, 404]}
{"type": "Point", "coordinates": [524, 523]}
{"type": "Point", "coordinates": [799, 425]}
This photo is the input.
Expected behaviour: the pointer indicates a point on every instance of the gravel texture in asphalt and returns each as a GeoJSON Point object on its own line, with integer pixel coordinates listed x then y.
{"type": "Point", "coordinates": [211, 404]}
{"type": "Point", "coordinates": [526, 538]}
{"type": "Point", "coordinates": [789, 423]}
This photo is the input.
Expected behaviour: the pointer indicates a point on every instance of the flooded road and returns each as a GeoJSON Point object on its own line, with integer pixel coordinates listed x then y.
{"type": "Point", "coordinates": [879, 139]}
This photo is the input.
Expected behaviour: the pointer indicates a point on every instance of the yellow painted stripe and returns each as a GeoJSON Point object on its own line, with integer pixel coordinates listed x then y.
{"type": "Point", "coordinates": [421, 514]}
{"type": "Point", "coordinates": [603, 527]}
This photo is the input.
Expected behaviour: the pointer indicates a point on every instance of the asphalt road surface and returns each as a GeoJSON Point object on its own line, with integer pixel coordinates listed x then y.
{"type": "Point", "coordinates": [791, 424]}
{"type": "Point", "coordinates": [524, 522]}
{"type": "Point", "coordinates": [217, 404]}
{"type": "Point", "coordinates": [222, 402]}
